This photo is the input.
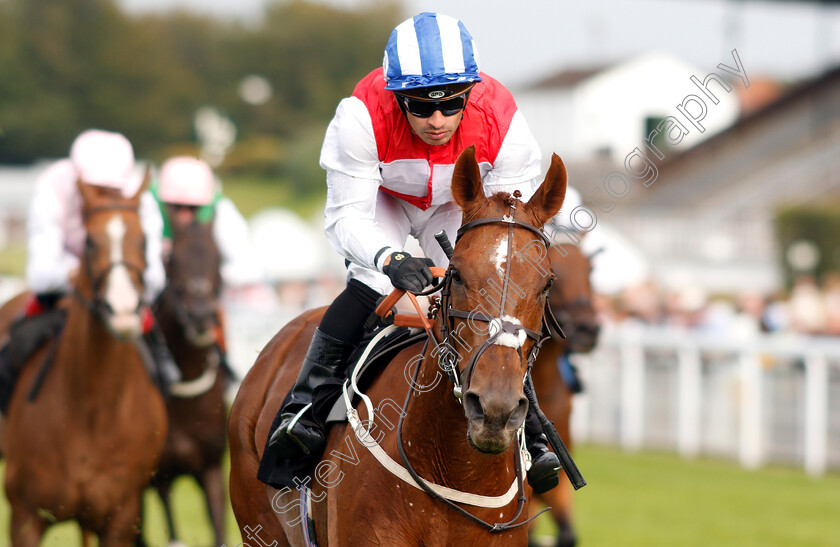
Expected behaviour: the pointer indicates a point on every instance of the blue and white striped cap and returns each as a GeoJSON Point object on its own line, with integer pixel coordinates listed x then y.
{"type": "Point", "coordinates": [427, 50]}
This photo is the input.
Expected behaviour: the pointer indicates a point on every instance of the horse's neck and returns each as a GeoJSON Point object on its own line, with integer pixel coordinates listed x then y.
{"type": "Point", "coordinates": [190, 359]}
{"type": "Point", "coordinates": [94, 361]}
{"type": "Point", "coordinates": [435, 436]}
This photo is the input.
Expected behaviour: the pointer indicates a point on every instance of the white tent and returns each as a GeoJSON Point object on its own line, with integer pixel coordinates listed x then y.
{"type": "Point", "coordinates": [618, 263]}
{"type": "Point", "coordinates": [290, 249]}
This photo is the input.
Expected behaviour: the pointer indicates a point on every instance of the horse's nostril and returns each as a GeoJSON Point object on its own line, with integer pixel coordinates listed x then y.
{"type": "Point", "coordinates": [517, 417]}
{"type": "Point", "coordinates": [590, 329]}
{"type": "Point", "coordinates": [472, 407]}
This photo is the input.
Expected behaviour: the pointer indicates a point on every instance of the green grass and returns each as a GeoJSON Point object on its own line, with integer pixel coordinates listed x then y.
{"type": "Point", "coordinates": [650, 499]}
{"type": "Point", "coordinates": [643, 499]}
{"type": "Point", "coordinates": [13, 259]}
{"type": "Point", "coordinates": [191, 520]}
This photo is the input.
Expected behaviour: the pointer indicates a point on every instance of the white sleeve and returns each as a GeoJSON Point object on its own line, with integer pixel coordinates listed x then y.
{"type": "Point", "coordinates": [350, 157]}
{"type": "Point", "coordinates": [152, 223]}
{"type": "Point", "coordinates": [48, 261]}
{"type": "Point", "coordinates": [517, 166]}
{"type": "Point", "coordinates": [240, 265]}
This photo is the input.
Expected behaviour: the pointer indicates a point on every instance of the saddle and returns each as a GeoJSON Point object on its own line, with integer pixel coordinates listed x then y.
{"type": "Point", "coordinates": [380, 355]}
{"type": "Point", "coordinates": [26, 336]}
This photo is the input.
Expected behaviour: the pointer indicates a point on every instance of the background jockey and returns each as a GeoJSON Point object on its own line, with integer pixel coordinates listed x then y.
{"type": "Point", "coordinates": [389, 154]}
{"type": "Point", "coordinates": [56, 240]}
{"type": "Point", "coordinates": [188, 192]}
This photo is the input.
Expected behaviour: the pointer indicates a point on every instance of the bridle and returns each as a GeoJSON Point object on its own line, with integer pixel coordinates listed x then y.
{"type": "Point", "coordinates": [565, 310]}
{"type": "Point", "coordinates": [449, 357]}
{"type": "Point", "coordinates": [96, 304]}
{"type": "Point", "coordinates": [449, 314]}
{"type": "Point", "coordinates": [184, 316]}
{"type": "Point", "coordinates": [172, 294]}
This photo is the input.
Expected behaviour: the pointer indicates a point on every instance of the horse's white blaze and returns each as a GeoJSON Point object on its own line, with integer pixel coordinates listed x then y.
{"type": "Point", "coordinates": [501, 254]}
{"type": "Point", "coordinates": [120, 292]}
{"type": "Point", "coordinates": [508, 339]}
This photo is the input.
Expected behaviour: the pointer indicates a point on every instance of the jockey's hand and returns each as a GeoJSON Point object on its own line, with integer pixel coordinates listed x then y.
{"type": "Point", "coordinates": [407, 272]}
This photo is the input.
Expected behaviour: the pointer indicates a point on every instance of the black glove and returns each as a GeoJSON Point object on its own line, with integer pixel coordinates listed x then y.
{"type": "Point", "coordinates": [409, 273]}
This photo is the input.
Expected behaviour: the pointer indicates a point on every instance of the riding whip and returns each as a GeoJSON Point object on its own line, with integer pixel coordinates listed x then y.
{"type": "Point", "coordinates": [572, 471]}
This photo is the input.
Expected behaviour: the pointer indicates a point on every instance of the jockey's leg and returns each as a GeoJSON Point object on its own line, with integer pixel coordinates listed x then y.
{"type": "Point", "coordinates": [8, 378]}
{"type": "Point", "coordinates": [231, 377]}
{"type": "Point", "coordinates": [341, 329]}
{"type": "Point", "coordinates": [166, 371]}
{"type": "Point", "coordinates": [26, 335]}
{"type": "Point", "coordinates": [543, 475]}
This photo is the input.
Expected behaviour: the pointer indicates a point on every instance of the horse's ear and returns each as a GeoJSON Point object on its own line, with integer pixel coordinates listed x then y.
{"type": "Point", "coordinates": [549, 197]}
{"type": "Point", "coordinates": [143, 187]}
{"type": "Point", "coordinates": [87, 191]}
{"type": "Point", "coordinates": [466, 179]}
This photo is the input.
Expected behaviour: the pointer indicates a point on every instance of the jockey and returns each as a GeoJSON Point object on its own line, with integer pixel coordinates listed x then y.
{"type": "Point", "coordinates": [187, 192]}
{"type": "Point", "coordinates": [389, 154]}
{"type": "Point", "coordinates": [56, 239]}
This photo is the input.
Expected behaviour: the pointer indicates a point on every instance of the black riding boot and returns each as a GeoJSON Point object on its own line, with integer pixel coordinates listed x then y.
{"type": "Point", "coordinates": [8, 378]}
{"type": "Point", "coordinates": [298, 430]}
{"type": "Point", "coordinates": [26, 336]}
{"type": "Point", "coordinates": [543, 475]}
{"type": "Point", "coordinates": [165, 372]}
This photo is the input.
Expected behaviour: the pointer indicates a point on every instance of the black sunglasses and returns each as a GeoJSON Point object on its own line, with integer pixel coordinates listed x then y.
{"type": "Point", "coordinates": [181, 206]}
{"type": "Point", "coordinates": [425, 109]}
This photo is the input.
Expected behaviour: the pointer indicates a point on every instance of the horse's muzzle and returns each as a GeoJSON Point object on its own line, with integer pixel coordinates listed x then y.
{"type": "Point", "coordinates": [585, 336]}
{"type": "Point", "coordinates": [493, 422]}
{"type": "Point", "coordinates": [124, 326]}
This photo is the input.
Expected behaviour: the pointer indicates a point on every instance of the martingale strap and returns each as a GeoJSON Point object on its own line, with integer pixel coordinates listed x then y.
{"type": "Point", "coordinates": [392, 466]}
{"type": "Point", "coordinates": [476, 500]}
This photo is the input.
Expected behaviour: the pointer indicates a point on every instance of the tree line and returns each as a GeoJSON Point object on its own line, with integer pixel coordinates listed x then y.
{"type": "Point", "coordinates": [68, 65]}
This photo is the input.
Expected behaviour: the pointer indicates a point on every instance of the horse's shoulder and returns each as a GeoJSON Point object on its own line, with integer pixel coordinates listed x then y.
{"type": "Point", "coordinates": [10, 310]}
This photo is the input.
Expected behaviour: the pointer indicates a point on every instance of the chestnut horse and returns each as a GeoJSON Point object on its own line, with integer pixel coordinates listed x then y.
{"type": "Point", "coordinates": [86, 446]}
{"type": "Point", "coordinates": [571, 302]}
{"type": "Point", "coordinates": [187, 314]}
{"type": "Point", "coordinates": [10, 312]}
{"type": "Point", "coordinates": [465, 447]}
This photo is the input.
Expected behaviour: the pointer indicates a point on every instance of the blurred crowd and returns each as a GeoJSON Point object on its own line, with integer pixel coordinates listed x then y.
{"type": "Point", "coordinates": [808, 307]}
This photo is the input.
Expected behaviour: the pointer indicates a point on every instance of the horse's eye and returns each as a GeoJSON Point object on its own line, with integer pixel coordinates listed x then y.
{"type": "Point", "coordinates": [548, 284]}
{"type": "Point", "coordinates": [456, 277]}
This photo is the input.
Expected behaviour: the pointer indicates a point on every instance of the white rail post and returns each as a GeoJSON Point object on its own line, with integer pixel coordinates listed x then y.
{"type": "Point", "coordinates": [751, 449]}
{"type": "Point", "coordinates": [632, 395]}
{"type": "Point", "coordinates": [816, 414]}
{"type": "Point", "coordinates": [689, 383]}
{"type": "Point", "coordinates": [581, 419]}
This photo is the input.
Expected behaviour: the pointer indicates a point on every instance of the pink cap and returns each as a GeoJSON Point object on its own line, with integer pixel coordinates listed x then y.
{"type": "Point", "coordinates": [103, 158]}
{"type": "Point", "coordinates": [186, 181]}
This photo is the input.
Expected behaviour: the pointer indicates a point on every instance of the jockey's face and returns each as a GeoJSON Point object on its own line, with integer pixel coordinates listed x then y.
{"type": "Point", "coordinates": [437, 128]}
{"type": "Point", "coordinates": [182, 214]}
